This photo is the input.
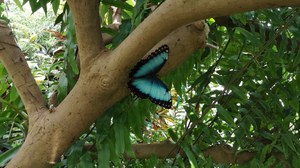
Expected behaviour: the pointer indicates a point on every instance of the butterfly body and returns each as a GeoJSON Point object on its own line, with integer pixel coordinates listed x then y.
{"type": "Point", "coordinates": [144, 81]}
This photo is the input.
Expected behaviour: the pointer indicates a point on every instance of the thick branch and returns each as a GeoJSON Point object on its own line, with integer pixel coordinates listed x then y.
{"type": "Point", "coordinates": [17, 67]}
{"type": "Point", "coordinates": [226, 155]}
{"type": "Point", "coordinates": [161, 150]}
{"type": "Point", "coordinates": [87, 26]}
{"type": "Point", "coordinates": [219, 153]}
{"type": "Point", "coordinates": [222, 154]}
{"type": "Point", "coordinates": [173, 14]}
{"type": "Point", "coordinates": [94, 92]}
{"type": "Point", "coordinates": [104, 82]}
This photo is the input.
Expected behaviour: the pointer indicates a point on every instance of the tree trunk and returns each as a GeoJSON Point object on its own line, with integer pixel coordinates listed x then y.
{"type": "Point", "coordinates": [104, 74]}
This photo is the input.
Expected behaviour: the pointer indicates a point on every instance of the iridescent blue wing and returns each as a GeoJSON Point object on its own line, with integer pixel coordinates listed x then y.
{"type": "Point", "coordinates": [143, 81]}
{"type": "Point", "coordinates": [150, 66]}
{"type": "Point", "coordinates": [151, 88]}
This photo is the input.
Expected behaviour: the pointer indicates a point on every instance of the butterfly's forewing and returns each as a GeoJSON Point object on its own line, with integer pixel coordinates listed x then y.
{"type": "Point", "coordinates": [152, 64]}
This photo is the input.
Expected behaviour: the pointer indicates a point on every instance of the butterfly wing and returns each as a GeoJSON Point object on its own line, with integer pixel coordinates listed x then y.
{"type": "Point", "coordinates": [150, 66]}
{"type": "Point", "coordinates": [143, 81]}
{"type": "Point", "coordinates": [153, 88]}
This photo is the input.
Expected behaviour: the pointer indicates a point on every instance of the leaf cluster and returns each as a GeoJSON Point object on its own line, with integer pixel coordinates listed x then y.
{"type": "Point", "coordinates": [245, 94]}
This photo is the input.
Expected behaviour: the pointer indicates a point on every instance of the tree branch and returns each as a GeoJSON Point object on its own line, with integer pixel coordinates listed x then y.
{"type": "Point", "coordinates": [94, 93]}
{"type": "Point", "coordinates": [221, 154]}
{"type": "Point", "coordinates": [227, 21]}
{"type": "Point", "coordinates": [104, 81]}
{"type": "Point", "coordinates": [161, 150]}
{"type": "Point", "coordinates": [87, 27]}
{"type": "Point", "coordinates": [17, 67]}
{"type": "Point", "coordinates": [173, 14]}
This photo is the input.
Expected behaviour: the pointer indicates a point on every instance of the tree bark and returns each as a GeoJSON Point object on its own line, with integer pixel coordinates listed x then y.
{"type": "Point", "coordinates": [87, 27]}
{"type": "Point", "coordinates": [222, 154]}
{"type": "Point", "coordinates": [103, 81]}
{"type": "Point", "coordinates": [14, 61]}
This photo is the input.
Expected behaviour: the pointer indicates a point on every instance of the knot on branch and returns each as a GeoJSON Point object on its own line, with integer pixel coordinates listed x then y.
{"type": "Point", "coordinates": [107, 82]}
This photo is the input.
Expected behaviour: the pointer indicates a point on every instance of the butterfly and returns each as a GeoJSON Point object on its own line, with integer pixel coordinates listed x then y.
{"type": "Point", "coordinates": [143, 80]}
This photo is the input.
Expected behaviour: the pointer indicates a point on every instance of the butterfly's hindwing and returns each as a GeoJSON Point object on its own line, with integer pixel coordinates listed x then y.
{"type": "Point", "coordinates": [153, 88]}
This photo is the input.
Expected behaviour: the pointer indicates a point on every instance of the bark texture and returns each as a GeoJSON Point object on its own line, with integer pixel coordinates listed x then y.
{"type": "Point", "coordinates": [87, 27]}
{"type": "Point", "coordinates": [14, 61]}
{"type": "Point", "coordinates": [104, 74]}
{"type": "Point", "coordinates": [223, 154]}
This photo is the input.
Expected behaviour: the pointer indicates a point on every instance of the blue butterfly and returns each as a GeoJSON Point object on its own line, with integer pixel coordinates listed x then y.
{"type": "Point", "coordinates": [144, 82]}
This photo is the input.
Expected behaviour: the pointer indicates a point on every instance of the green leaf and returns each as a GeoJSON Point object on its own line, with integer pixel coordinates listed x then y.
{"type": "Point", "coordinates": [240, 92]}
{"type": "Point", "coordinates": [62, 88]}
{"type": "Point", "coordinates": [288, 139]}
{"type": "Point", "coordinates": [190, 155]}
{"type": "Point", "coordinates": [205, 53]}
{"type": "Point", "coordinates": [139, 12]}
{"type": "Point", "coordinates": [193, 117]}
{"type": "Point", "coordinates": [44, 5]}
{"type": "Point", "coordinates": [108, 31]}
{"type": "Point", "coordinates": [119, 137]}
{"type": "Point", "coordinates": [55, 5]}
{"type": "Point", "coordinates": [180, 161]}
{"type": "Point", "coordinates": [173, 135]}
{"type": "Point", "coordinates": [3, 86]}
{"type": "Point", "coordinates": [295, 161]}
{"type": "Point", "coordinates": [74, 153]}
{"type": "Point", "coordinates": [103, 154]}
{"type": "Point", "coordinates": [128, 145]}
{"type": "Point", "coordinates": [225, 115]}
{"type": "Point", "coordinates": [3, 129]}
{"type": "Point", "coordinates": [294, 103]}
{"type": "Point", "coordinates": [34, 5]}
{"type": "Point", "coordinates": [59, 18]}
{"type": "Point", "coordinates": [152, 161]}
{"type": "Point", "coordinates": [7, 155]}
{"type": "Point", "coordinates": [86, 160]}
{"type": "Point", "coordinates": [114, 157]}
{"type": "Point", "coordinates": [248, 35]}
{"type": "Point", "coordinates": [2, 9]}
{"type": "Point", "coordinates": [266, 150]}
{"type": "Point", "coordinates": [202, 80]}
{"type": "Point", "coordinates": [18, 3]}
{"type": "Point", "coordinates": [270, 161]}
{"type": "Point", "coordinates": [70, 54]}
{"type": "Point", "coordinates": [72, 61]}
{"type": "Point", "coordinates": [13, 95]}
{"type": "Point", "coordinates": [123, 33]}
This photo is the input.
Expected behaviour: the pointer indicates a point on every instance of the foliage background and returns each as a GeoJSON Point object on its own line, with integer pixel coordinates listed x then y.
{"type": "Point", "coordinates": [244, 94]}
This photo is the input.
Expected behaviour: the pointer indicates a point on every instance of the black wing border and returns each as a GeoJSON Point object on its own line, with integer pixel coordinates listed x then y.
{"type": "Point", "coordinates": [163, 48]}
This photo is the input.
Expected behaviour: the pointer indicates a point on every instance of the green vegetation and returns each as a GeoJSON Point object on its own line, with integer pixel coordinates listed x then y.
{"type": "Point", "coordinates": [245, 93]}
